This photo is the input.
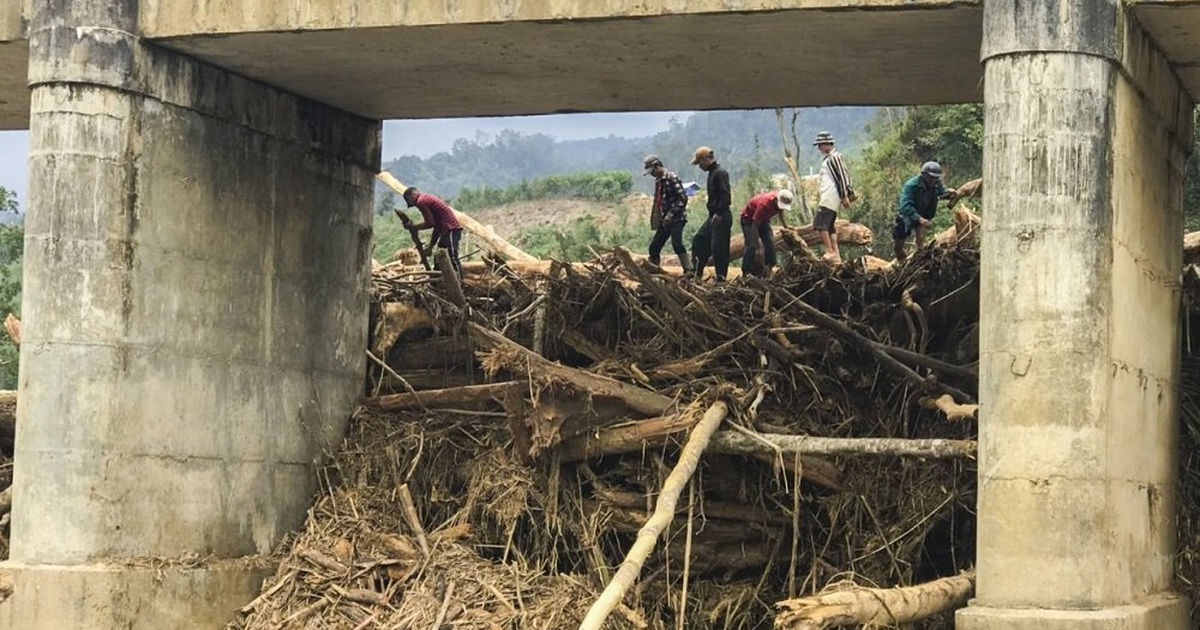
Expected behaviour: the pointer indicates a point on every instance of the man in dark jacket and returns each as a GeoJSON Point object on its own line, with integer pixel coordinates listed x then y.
{"type": "Point", "coordinates": [670, 208]}
{"type": "Point", "coordinates": [713, 237]}
{"type": "Point", "coordinates": [918, 205]}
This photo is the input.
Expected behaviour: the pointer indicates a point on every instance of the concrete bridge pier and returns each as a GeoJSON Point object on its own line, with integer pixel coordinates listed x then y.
{"type": "Point", "coordinates": [196, 259]}
{"type": "Point", "coordinates": [1086, 137]}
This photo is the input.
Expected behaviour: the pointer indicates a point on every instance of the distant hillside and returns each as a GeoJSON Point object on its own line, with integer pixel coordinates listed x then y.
{"type": "Point", "coordinates": [744, 141]}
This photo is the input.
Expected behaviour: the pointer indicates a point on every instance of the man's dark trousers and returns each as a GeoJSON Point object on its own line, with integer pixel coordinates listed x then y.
{"type": "Point", "coordinates": [713, 240]}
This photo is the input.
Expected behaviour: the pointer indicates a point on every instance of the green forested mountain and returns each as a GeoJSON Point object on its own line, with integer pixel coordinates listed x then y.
{"type": "Point", "coordinates": [743, 140]}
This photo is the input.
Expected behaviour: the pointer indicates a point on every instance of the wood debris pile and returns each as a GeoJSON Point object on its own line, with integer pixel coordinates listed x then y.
{"type": "Point", "coordinates": [534, 410]}
{"type": "Point", "coordinates": [522, 426]}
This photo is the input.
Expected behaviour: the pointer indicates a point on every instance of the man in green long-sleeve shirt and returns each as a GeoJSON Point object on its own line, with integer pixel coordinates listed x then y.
{"type": "Point", "coordinates": [713, 237]}
{"type": "Point", "coordinates": [918, 204]}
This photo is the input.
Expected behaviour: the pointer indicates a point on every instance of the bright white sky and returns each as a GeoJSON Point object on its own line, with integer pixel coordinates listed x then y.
{"type": "Point", "coordinates": [414, 137]}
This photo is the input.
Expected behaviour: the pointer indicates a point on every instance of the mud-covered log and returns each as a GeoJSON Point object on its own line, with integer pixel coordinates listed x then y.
{"type": "Point", "coordinates": [848, 234]}
{"type": "Point", "coordinates": [627, 438]}
{"type": "Point", "coordinates": [435, 352]}
{"type": "Point", "coordinates": [861, 606]}
{"type": "Point", "coordinates": [1191, 248]}
{"type": "Point", "coordinates": [519, 359]}
{"type": "Point", "coordinates": [742, 444]}
{"type": "Point", "coordinates": [452, 397]}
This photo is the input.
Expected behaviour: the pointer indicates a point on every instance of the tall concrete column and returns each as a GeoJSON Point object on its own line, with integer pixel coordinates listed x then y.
{"type": "Point", "coordinates": [195, 312]}
{"type": "Point", "coordinates": [1086, 131]}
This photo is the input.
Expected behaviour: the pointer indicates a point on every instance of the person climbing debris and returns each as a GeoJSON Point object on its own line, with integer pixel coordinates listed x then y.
{"type": "Point", "coordinates": [439, 216]}
{"type": "Point", "coordinates": [669, 213]}
{"type": "Point", "coordinates": [759, 256]}
{"type": "Point", "coordinates": [837, 192]}
{"type": "Point", "coordinates": [918, 205]}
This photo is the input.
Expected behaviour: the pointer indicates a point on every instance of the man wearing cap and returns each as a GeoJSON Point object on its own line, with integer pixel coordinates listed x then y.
{"type": "Point", "coordinates": [713, 237]}
{"type": "Point", "coordinates": [436, 214]}
{"type": "Point", "coordinates": [670, 204]}
{"type": "Point", "coordinates": [837, 191]}
{"type": "Point", "coordinates": [918, 204]}
{"type": "Point", "coordinates": [759, 255]}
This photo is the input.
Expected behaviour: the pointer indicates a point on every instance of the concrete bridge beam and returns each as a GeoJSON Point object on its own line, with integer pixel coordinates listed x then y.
{"type": "Point", "coordinates": [196, 262]}
{"type": "Point", "coordinates": [1086, 133]}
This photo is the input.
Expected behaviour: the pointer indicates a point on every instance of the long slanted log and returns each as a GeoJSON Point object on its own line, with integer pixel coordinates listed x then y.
{"type": "Point", "coordinates": [519, 359]}
{"type": "Point", "coordinates": [946, 369]}
{"type": "Point", "coordinates": [848, 234]}
{"type": "Point", "coordinates": [874, 348]}
{"type": "Point", "coordinates": [742, 444]}
{"type": "Point", "coordinates": [452, 397]}
{"type": "Point", "coordinates": [485, 233]}
{"type": "Point", "coordinates": [1191, 248]}
{"type": "Point", "coordinates": [861, 606]}
{"type": "Point", "coordinates": [664, 513]}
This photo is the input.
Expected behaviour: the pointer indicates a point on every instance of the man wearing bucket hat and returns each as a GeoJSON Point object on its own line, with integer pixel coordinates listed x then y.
{"type": "Point", "coordinates": [669, 213]}
{"type": "Point", "coordinates": [837, 192]}
{"type": "Point", "coordinates": [918, 205]}
{"type": "Point", "coordinates": [759, 256]}
{"type": "Point", "coordinates": [713, 237]}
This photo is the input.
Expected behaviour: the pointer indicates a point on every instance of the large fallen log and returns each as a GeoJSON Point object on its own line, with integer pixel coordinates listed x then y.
{"type": "Point", "coordinates": [875, 606]}
{"type": "Point", "coordinates": [485, 233]}
{"type": "Point", "coordinates": [848, 234]}
{"type": "Point", "coordinates": [519, 359]}
{"type": "Point", "coordinates": [1191, 249]}
{"type": "Point", "coordinates": [742, 444]}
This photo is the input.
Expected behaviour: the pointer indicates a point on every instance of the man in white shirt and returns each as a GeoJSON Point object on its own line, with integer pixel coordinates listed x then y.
{"type": "Point", "coordinates": [837, 192]}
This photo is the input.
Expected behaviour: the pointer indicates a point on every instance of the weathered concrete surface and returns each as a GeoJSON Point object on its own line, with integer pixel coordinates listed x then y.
{"type": "Point", "coordinates": [1086, 131]}
{"type": "Point", "coordinates": [141, 594]}
{"type": "Point", "coordinates": [14, 61]}
{"type": "Point", "coordinates": [406, 60]}
{"type": "Point", "coordinates": [196, 260]}
{"type": "Point", "coordinates": [1175, 27]}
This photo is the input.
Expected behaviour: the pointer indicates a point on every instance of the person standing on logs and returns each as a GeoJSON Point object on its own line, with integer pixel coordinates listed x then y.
{"type": "Point", "coordinates": [837, 191]}
{"type": "Point", "coordinates": [759, 256]}
{"type": "Point", "coordinates": [918, 205]}
{"type": "Point", "coordinates": [713, 237]}
{"type": "Point", "coordinates": [438, 215]}
{"type": "Point", "coordinates": [669, 213]}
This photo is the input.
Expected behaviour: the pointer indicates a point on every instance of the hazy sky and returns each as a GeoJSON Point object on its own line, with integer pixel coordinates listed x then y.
{"type": "Point", "coordinates": [414, 137]}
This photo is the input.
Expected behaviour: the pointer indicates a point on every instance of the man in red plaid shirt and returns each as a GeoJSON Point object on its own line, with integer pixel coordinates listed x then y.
{"type": "Point", "coordinates": [437, 214]}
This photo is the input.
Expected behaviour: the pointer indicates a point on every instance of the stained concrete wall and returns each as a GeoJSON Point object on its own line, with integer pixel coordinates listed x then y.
{"type": "Point", "coordinates": [1086, 131]}
{"type": "Point", "coordinates": [196, 265]}
{"type": "Point", "coordinates": [14, 61]}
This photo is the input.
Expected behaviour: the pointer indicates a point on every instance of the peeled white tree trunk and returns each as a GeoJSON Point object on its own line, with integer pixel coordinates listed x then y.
{"type": "Point", "coordinates": [875, 606]}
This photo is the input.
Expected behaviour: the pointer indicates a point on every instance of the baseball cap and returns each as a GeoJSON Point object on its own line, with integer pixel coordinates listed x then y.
{"type": "Point", "coordinates": [702, 152]}
{"type": "Point", "coordinates": [784, 199]}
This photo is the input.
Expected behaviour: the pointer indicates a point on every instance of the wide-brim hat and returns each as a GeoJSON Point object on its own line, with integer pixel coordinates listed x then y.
{"type": "Point", "coordinates": [823, 137]}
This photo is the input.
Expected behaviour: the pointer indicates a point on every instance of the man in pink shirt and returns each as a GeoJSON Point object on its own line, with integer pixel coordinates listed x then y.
{"type": "Point", "coordinates": [759, 255]}
{"type": "Point", "coordinates": [437, 214]}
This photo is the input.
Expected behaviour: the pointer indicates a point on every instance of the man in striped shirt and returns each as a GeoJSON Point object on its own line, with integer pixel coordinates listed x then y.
{"type": "Point", "coordinates": [437, 214]}
{"type": "Point", "coordinates": [837, 192]}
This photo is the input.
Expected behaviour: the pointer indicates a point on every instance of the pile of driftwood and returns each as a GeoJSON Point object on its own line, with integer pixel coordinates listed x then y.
{"type": "Point", "coordinates": [550, 445]}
